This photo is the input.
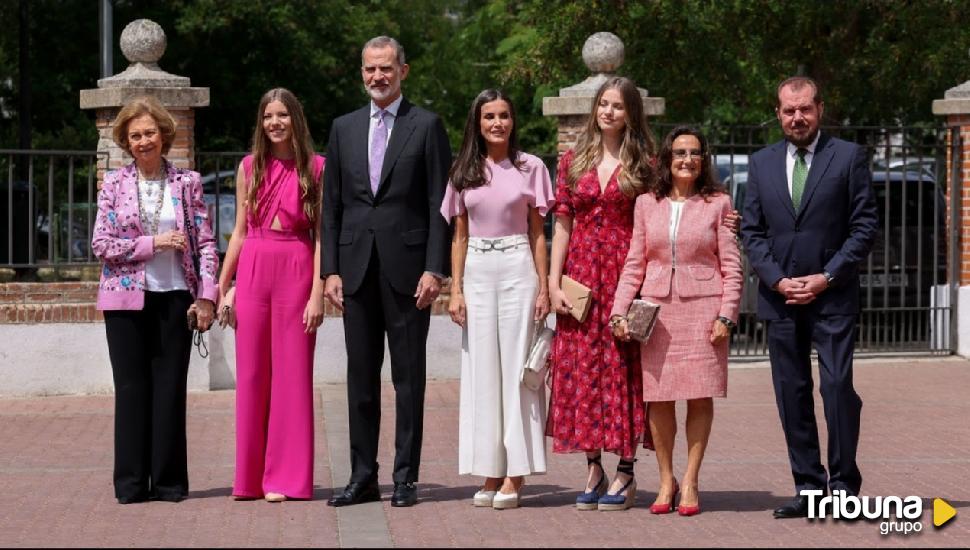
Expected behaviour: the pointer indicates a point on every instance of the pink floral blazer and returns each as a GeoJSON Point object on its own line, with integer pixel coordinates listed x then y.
{"type": "Point", "coordinates": [122, 245]}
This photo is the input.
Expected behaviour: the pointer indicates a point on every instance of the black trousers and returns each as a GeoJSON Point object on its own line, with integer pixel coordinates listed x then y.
{"type": "Point", "coordinates": [370, 312]}
{"type": "Point", "coordinates": [150, 351]}
{"type": "Point", "coordinates": [790, 344]}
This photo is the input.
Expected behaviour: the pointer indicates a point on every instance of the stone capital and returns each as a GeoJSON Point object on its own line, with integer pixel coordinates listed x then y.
{"type": "Point", "coordinates": [143, 42]}
{"type": "Point", "coordinates": [173, 97]}
{"type": "Point", "coordinates": [603, 54]}
{"type": "Point", "coordinates": [582, 105]}
{"type": "Point", "coordinates": [956, 101]}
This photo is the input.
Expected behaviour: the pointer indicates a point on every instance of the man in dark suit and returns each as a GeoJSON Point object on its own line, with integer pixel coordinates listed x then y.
{"type": "Point", "coordinates": [810, 218]}
{"type": "Point", "coordinates": [384, 252]}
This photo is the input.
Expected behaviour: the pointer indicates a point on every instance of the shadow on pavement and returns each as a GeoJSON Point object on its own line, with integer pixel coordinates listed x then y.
{"type": "Point", "coordinates": [319, 493]}
{"type": "Point", "coordinates": [547, 494]}
{"type": "Point", "coordinates": [738, 501]}
{"type": "Point", "coordinates": [212, 493]}
{"type": "Point", "coordinates": [543, 495]}
{"type": "Point", "coordinates": [928, 503]}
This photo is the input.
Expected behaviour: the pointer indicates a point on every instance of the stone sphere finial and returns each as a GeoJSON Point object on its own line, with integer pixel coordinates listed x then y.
{"type": "Point", "coordinates": [603, 52]}
{"type": "Point", "coordinates": [143, 41]}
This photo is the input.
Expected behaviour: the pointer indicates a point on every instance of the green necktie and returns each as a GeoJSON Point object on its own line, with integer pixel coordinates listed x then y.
{"type": "Point", "coordinates": [798, 177]}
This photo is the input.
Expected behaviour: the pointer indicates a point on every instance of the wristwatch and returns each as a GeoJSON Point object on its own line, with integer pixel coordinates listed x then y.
{"type": "Point", "coordinates": [616, 320]}
{"type": "Point", "coordinates": [828, 277]}
{"type": "Point", "coordinates": [727, 322]}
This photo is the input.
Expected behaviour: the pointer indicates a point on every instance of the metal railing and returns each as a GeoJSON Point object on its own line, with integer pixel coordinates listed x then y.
{"type": "Point", "coordinates": [48, 199]}
{"type": "Point", "coordinates": [905, 299]}
{"type": "Point", "coordinates": [218, 174]}
{"type": "Point", "coordinates": [49, 204]}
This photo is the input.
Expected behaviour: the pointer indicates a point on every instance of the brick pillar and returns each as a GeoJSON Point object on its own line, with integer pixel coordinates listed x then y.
{"type": "Point", "coordinates": [569, 128]}
{"type": "Point", "coordinates": [603, 55]}
{"type": "Point", "coordinates": [143, 43]}
{"type": "Point", "coordinates": [955, 107]}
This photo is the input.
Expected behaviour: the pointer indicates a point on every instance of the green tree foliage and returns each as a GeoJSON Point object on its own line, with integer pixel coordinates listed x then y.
{"type": "Point", "coordinates": [879, 62]}
{"type": "Point", "coordinates": [63, 59]}
{"type": "Point", "coordinates": [715, 62]}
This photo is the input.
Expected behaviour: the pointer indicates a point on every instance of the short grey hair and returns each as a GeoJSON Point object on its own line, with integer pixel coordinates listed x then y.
{"type": "Point", "coordinates": [383, 42]}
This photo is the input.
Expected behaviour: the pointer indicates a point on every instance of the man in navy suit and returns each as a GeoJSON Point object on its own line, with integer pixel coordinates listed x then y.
{"type": "Point", "coordinates": [810, 219]}
{"type": "Point", "coordinates": [384, 253]}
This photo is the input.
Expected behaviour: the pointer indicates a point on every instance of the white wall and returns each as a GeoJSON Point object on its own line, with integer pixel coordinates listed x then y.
{"type": "Point", "coordinates": [963, 321]}
{"type": "Point", "coordinates": [68, 358]}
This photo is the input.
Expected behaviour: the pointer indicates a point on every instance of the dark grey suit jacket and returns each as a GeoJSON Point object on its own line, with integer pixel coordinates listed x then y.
{"type": "Point", "coordinates": [833, 230]}
{"type": "Point", "coordinates": [402, 220]}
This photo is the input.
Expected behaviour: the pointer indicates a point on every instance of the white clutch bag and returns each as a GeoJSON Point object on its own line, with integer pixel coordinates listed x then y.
{"type": "Point", "coordinates": [537, 363]}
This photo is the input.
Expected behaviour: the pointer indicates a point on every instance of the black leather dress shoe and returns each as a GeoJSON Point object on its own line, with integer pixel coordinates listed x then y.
{"type": "Point", "coordinates": [356, 492]}
{"type": "Point", "coordinates": [405, 494]}
{"type": "Point", "coordinates": [797, 508]}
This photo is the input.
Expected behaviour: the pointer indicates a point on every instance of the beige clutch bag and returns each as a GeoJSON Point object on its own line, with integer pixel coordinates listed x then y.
{"type": "Point", "coordinates": [578, 295]}
{"type": "Point", "coordinates": [641, 318]}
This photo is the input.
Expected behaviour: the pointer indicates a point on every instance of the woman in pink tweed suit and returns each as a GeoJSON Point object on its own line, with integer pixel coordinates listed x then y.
{"type": "Point", "coordinates": [684, 258]}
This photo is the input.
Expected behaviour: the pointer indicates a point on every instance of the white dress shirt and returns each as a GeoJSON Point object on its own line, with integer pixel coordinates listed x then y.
{"type": "Point", "coordinates": [389, 119]}
{"type": "Point", "coordinates": [793, 154]}
{"type": "Point", "coordinates": [163, 272]}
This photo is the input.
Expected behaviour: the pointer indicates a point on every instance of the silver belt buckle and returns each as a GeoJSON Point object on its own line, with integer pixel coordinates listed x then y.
{"type": "Point", "coordinates": [500, 249]}
{"type": "Point", "coordinates": [484, 245]}
{"type": "Point", "coordinates": [491, 244]}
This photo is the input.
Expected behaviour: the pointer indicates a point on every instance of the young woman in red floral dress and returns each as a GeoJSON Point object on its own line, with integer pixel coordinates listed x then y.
{"type": "Point", "coordinates": [597, 397]}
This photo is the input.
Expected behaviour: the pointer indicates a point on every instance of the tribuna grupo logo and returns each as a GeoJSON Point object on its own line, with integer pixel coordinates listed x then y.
{"type": "Point", "coordinates": [902, 515]}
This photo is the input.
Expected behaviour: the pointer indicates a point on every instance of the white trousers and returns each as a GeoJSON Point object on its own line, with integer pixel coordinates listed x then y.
{"type": "Point", "coordinates": [501, 422]}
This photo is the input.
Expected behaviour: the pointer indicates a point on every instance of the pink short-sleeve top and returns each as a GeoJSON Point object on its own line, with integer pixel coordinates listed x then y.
{"type": "Point", "coordinates": [280, 195]}
{"type": "Point", "coordinates": [501, 207]}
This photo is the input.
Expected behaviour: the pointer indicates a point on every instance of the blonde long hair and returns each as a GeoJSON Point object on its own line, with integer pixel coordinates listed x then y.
{"type": "Point", "coordinates": [302, 149]}
{"type": "Point", "coordinates": [636, 151]}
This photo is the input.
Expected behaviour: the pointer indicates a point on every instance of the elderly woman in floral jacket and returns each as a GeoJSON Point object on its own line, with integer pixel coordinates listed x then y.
{"type": "Point", "coordinates": [160, 264]}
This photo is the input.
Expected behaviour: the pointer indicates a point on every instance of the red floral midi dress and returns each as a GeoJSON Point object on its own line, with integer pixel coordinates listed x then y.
{"type": "Point", "coordinates": [597, 397]}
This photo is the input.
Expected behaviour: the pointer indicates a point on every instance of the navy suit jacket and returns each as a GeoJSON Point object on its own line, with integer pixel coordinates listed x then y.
{"type": "Point", "coordinates": [402, 218]}
{"type": "Point", "coordinates": [832, 231]}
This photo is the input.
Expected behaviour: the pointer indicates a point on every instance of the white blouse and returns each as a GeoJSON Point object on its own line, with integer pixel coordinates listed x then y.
{"type": "Point", "coordinates": [676, 209]}
{"type": "Point", "coordinates": [163, 272]}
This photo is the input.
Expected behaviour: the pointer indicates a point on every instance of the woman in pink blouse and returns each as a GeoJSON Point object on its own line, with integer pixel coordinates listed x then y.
{"type": "Point", "coordinates": [683, 256]}
{"type": "Point", "coordinates": [498, 196]}
{"type": "Point", "coordinates": [277, 303]}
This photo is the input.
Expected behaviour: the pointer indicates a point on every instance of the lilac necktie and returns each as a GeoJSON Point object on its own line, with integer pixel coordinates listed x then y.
{"type": "Point", "coordinates": [377, 150]}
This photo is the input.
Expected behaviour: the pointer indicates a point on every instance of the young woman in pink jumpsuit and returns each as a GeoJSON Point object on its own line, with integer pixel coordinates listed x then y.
{"type": "Point", "coordinates": [277, 303]}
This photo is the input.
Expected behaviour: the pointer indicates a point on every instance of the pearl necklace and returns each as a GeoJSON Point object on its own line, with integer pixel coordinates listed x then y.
{"type": "Point", "coordinates": [150, 223]}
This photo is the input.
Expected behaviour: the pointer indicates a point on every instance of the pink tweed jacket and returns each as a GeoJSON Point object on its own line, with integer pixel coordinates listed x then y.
{"type": "Point", "coordinates": [121, 244]}
{"type": "Point", "coordinates": [708, 258]}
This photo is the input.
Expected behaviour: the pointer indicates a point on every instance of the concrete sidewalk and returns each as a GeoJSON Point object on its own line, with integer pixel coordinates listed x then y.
{"type": "Point", "coordinates": [56, 455]}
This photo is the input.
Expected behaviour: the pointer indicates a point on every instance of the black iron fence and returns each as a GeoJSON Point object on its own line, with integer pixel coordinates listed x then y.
{"type": "Point", "coordinates": [49, 203]}
{"type": "Point", "coordinates": [218, 174]}
{"type": "Point", "coordinates": [905, 295]}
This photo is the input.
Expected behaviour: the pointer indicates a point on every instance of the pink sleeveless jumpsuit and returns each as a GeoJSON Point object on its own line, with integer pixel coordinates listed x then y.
{"type": "Point", "coordinates": [274, 355]}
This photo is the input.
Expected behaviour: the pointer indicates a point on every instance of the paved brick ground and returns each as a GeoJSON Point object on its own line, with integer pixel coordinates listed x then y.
{"type": "Point", "coordinates": [55, 477]}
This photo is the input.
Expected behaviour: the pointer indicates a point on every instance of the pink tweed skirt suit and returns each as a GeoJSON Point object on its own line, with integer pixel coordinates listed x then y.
{"type": "Point", "coordinates": [696, 285]}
